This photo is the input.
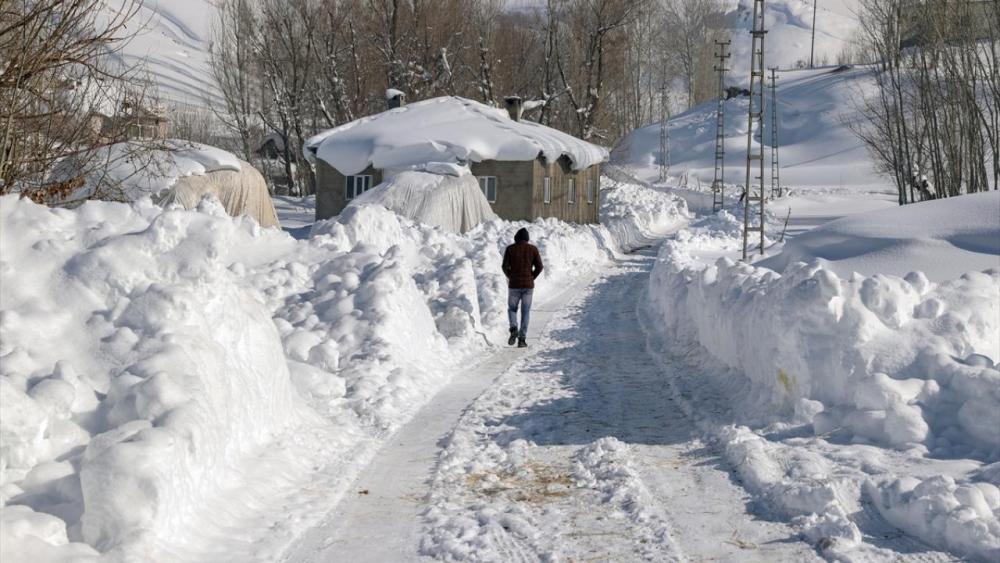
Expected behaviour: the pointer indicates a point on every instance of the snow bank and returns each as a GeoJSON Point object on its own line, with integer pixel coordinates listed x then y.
{"type": "Point", "coordinates": [959, 517]}
{"type": "Point", "coordinates": [139, 374]}
{"type": "Point", "coordinates": [167, 375]}
{"type": "Point", "coordinates": [445, 196]}
{"type": "Point", "coordinates": [639, 216]}
{"type": "Point", "coordinates": [446, 129]}
{"type": "Point", "coordinates": [887, 361]}
{"type": "Point", "coordinates": [155, 362]}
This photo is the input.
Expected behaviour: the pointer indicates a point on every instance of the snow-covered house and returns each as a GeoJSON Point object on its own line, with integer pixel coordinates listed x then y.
{"type": "Point", "coordinates": [526, 170]}
{"type": "Point", "coordinates": [117, 112]}
{"type": "Point", "coordinates": [136, 123]}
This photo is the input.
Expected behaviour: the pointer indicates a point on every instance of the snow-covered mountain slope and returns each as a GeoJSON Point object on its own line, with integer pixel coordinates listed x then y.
{"type": "Point", "coordinates": [173, 37]}
{"type": "Point", "coordinates": [789, 34]}
{"type": "Point", "coordinates": [816, 149]}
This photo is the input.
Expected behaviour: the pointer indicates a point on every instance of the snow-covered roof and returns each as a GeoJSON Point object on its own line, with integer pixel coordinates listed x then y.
{"type": "Point", "coordinates": [278, 138]}
{"type": "Point", "coordinates": [446, 129]}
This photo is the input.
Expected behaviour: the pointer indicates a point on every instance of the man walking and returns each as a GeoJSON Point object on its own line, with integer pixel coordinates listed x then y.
{"type": "Point", "coordinates": [521, 265]}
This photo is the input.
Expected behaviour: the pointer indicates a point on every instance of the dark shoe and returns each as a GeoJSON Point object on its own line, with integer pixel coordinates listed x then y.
{"type": "Point", "coordinates": [521, 343]}
{"type": "Point", "coordinates": [513, 337]}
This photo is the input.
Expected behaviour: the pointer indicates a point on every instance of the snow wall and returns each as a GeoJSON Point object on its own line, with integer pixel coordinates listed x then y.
{"type": "Point", "coordinates": [168, 376]}
{"type": "Point", "coordinates": [893, 362]}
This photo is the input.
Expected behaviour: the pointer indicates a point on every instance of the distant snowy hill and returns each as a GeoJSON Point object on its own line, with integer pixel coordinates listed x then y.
{"type": "Point", "coordinates": [816, 150]}
{"type": "Point", "coordinates": [789, 34]}
{"type": "Point", "coordinates": [174, 40]}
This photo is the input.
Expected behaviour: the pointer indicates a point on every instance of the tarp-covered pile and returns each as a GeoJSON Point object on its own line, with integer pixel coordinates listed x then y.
{"type": "Point", "coordinates": [169, 171]}
{"type": "Point", "coordinates": [451, 199]}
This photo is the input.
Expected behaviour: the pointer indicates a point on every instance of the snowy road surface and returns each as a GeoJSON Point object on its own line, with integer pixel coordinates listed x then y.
{"type": "Point", "coordinates": [572, 450]}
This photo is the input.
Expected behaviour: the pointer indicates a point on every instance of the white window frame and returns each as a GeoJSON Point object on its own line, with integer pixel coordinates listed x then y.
{"type": "Point", "coordinates": [571, 197]}
{"type": "Point", "coordinates": [351, 185]}
{"type": "Point", "coordinates": [547, 191]}
{"type": "Point", "coordinates": [591, 192]}
{"type": "Point", "coordinates": [484, 184]}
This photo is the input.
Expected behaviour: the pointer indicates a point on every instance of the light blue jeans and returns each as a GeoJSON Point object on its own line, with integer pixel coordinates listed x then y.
{"type": "Point", "coordinates": [522, 296]}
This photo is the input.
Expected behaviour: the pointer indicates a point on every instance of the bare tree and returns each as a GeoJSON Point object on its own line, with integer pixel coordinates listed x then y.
{"type": "Point", "coordinates": [645, 69]}
{"type": "Point", "coordinates": [583, 69]}
{"type": "Point", "coordinates": [488, 17]}
{"type": "Point", "coordinates": [61, 93]}
{"type": "Point", "coordinates": [236, 71]}
{"type": "Point", "coordinates": [692, 27]}
{"type": "Point", "coordinates": [931, 123]}
{"type": "Point", "coordinates": [338, 66]}
{"type": "Point", "coordinates": [287, 59]}
{"type": "Point", "coordinates": [597, 65]}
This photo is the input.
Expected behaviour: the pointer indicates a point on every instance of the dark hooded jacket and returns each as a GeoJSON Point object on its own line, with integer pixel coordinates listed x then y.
{"type": "Point", "coordinates": [521, 262]}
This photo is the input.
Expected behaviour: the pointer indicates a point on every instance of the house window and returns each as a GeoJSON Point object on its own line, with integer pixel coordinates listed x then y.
{"type": "Point", "coordinates": [357, 185]}
{"type": "Point", "coordinates": [489, 186]}
{"type": "Point", "coordinates": [142, 129]}
{"type": "Point", "coordinates": [547, 191]}
{"type": "Point", "coordinates": [591, 191]}
{"type": "Point", "coordinates": [572, 191]}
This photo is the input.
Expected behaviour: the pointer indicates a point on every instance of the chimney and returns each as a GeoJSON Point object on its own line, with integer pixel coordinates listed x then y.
{"type": "Point", "coordinates": [514, 106]}
{"type": "Point", "coordinates": [394, 98]}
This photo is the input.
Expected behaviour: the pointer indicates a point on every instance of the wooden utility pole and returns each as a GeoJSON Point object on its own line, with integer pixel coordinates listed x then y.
{"type": "Point", "coordinates": [812, 48]}
{"type": "Point", "coordinates": [664, 135]}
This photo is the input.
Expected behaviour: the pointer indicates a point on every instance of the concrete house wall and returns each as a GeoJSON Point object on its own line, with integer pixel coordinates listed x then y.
{"type": "Point", "coordinates": [515, 185]}
{"type": "Point", "coordinates": [560, 172]}
{"type": "Point", "coordinates": [331, 186]}
{"type": "Point", "coordinates": [520, 189]}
